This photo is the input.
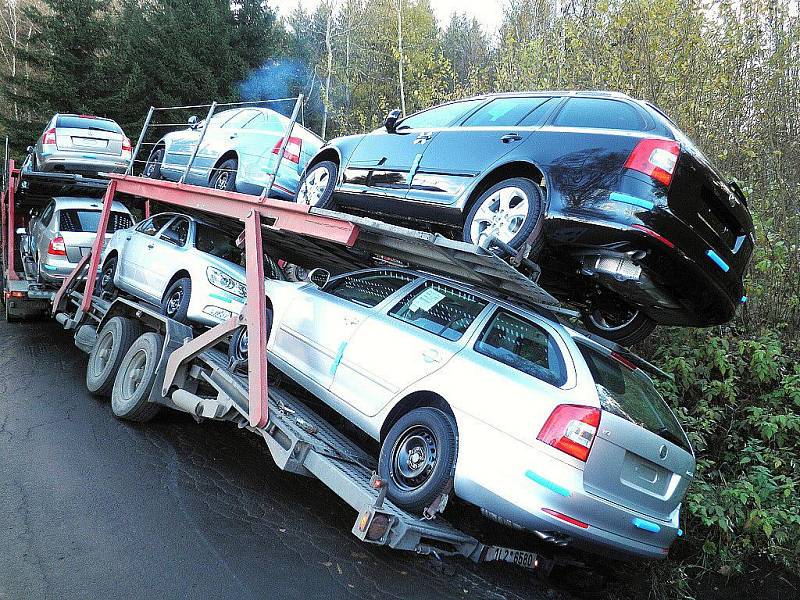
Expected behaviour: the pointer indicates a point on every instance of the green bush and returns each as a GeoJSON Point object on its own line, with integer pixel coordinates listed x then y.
{"type": "Point", "coordinates": [739, 400]}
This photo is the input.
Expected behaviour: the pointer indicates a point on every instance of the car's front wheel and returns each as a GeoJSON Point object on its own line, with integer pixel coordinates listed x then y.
{"type": "Point", "coordinates": [107, 276]}
{"type": "Point", "coordinates": [510, 211]}
{"type": "Point", "coordinates": [418, 458]}
{"type": "Point", "coordinates": [316, 185]}
{"type": "Point", "coordinates": [618, 322]}
{"type": "Point", "coordinates": [175, 304]}
{"type": "Point", "coordinates": [224, 176]}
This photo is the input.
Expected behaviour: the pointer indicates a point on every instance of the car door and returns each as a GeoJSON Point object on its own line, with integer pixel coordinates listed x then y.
{"type": "Point", "coordinates": [217, 141]}
{"type": "Point", "coordinates": [166, 255]}
{"type": "Point", "coordinates": [426, 327]}
{"type": "Point", "coordinates": [456, 155]}
{"type": "Point", "coordinates": [133, 265]}
{"type": "Point", "coordinates": [383, 163]}
{"type": "Point", "coordinates": [314, 332]}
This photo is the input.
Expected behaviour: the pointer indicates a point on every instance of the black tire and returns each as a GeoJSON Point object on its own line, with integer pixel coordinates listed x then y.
{"type": "Point", "coordinates": [113, 342]}
{"type": "Point", "coordinates": [618, 323]}
{"type": "Point", "coordinates": [426, 436]}
{"type": "Point", "coordinates": [224, 176]}
{"type": "Point", "coordinates": [237, 349]}
{"type": "Point", "coordinates": [295, 272]}
{"type": "Point", "coordinates": [321, 194]}
{"type": "Point", "coordinates": [105, 283]}
{"type": "Point", "coordinates": [175, 304]}
{"type": "Point", "coordinates": [152, 167]}
{"type": "Point", "coordinates": [517, 233]}
{"type": "Point", "coordinates": [135, 379]}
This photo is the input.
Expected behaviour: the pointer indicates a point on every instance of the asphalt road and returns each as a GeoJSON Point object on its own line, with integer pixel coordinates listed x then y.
{"type": "Point", "coordinates": [93, 507]}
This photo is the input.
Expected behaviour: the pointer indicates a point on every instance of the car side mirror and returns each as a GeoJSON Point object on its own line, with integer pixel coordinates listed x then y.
{"type": "Point", "coordinates": [319, 277]}
{"type": "Point", "coordinates": [193, 122]}
{"type": "Point", "coordinates": [30, 149]}
{"type": "Point", "coordinates": [390, 122]}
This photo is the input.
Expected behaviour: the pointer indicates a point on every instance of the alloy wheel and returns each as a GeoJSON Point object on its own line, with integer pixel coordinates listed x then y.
{"type": "Point", "coordinates": [501, 215]}
{"type": "Point", "coordinates": [174, 302]}
{"type": "Point", "coordinates": [314, 187]}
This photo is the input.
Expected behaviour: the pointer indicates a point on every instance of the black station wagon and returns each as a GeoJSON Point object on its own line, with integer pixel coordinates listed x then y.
{"type": "Point", "coordinates": [629, 221]}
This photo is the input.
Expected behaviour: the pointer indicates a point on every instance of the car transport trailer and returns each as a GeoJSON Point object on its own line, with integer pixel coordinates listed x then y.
{"type": "Point", "coordinates": [191, 373]}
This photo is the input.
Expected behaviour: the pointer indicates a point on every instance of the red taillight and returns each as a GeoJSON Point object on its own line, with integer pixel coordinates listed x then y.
{"type": "Point", "coordinates": [654, 235]}
{"type": "Point", "coordinates": [57, 247]}
{"type": "Point", "coordinates": [566, 518]}
{"type": "Point", "coordinates": [126, 144]}
{"type": "Point", "coordinates": [571, 428]}
{"type": "Point", "coordinates": [656, 158]}
{"type": "Point", "coordinates": [50, 136]}
{"type": "Point", "coordinates": [293, 148]}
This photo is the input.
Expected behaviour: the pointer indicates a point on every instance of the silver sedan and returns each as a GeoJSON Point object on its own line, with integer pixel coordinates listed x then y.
{"type": "Point", "coordinates": [539, 426]}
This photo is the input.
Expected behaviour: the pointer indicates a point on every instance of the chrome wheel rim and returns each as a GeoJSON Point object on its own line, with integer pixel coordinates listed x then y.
{"type": "Point", "coordinates": [150, 167]}
{"type": "Point", "coordinates": [107, 278]}
{"type": "Point", "coordinates": [174, 302]}
{"type": "Point", "coordinates": [103, 354]}
{"type": "Point", "coordinates": [134, 375]}
{"type": "Point", "coordinates": [500, 215]}
{"type": "Point", "coordinates": [222, 180]}
{"type": "Point", "coordinates": [314, 186]}
{"type": "Point", "coordinates": [414, 457]}
{"type": "Point", "coordinates": [610, 321]}
{"type": "Point", "coordinates": [241, 347]}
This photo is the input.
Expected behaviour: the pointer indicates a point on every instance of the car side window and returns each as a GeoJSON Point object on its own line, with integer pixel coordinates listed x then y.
{"type": "Point", "coordinates": [599, 113]}
{"type": "Point", "coordinates": [258, 122]}
{"type": "Point", "coordinates": [368, 289]}
{"type": "Point", "coordinates": [237, 121]}
{"type": "Point", "coordinates": [503, 112]}
{"type": "Point", "coordinates": [440, 116]}
{"type": "Point", "coordinates": [439, 309]}
{"type": "Point", "coordinates": [47, 215]}
{"type": "Point", "coordinates": [523, 346]}
{"type": "Point", "coordinates": [177, 232]}
{"type": "Point", "coordinates": [153, 225]}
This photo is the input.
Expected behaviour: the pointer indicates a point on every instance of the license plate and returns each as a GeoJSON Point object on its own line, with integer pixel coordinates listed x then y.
{"type": "Point", "coordinates": [521, 558]}
{"type": "Point", "coordinates": [90, 142]}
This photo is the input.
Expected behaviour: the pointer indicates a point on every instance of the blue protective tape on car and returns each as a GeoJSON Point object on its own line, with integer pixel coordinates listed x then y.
{"type": "Point", "coordinates": [49, 268]}
{"type": "Point", "coordinates": [561, 491]}
{"type": "Point", "coordinates": [338, 358]}
{"type": "Point", "coordinates": [223, 298]}
{"type": "Point", "coordinates": [414, 167]}
{"type": "Point", "coordinates": [718, 260]}
{"type": "Point", "coordinates": [744, 299]}
{"type": "Point", "coordinates": [640, 202]}
{"type": "Point", "coordinates": [646, 525]}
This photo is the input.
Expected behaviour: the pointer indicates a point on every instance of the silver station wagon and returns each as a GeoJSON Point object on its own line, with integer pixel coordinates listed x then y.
{"type": "Point", "coordinates": [539, 426]}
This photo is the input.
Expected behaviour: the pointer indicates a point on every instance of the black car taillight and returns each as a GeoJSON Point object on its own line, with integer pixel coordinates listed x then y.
{"type": "Point", "coordinates": [656, 158]}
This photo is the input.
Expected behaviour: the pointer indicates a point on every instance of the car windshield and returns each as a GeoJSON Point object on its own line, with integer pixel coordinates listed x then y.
{"type": "Point", "coordinates": [74, 122]}
{"type": "Point", "coordinates": [216, 243]}
{"type": "Point", "coordinates": [87, 221]}
{"type": "Point", "coordinates": [629, 393]}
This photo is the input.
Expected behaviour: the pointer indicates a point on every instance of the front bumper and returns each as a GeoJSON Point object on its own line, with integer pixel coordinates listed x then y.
{"type": "Point", "coordinates": [210, 305]}
{"type": "Point", "coordinates": [515, 482]}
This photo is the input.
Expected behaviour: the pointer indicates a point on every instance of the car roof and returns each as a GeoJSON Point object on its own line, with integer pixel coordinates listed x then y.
{"type": "Point", "coordinates": [84, 117]}
{"type": "Point", "coordinates": [67, 202]}
{"type": "Point", "coordinates": [549, 93]}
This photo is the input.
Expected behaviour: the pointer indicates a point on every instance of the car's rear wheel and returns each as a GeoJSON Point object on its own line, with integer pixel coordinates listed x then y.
{"type": "Point", "coordinates": [316, 185]}
{"type": "Point", "coordinates": [152, 167]}
{"type": "Point", "coordinates": [135, 378]}
{"type": "Point", "coordinates": [510, 211]}
{"type": "Point", "coordinates": [224, 176]}
{"type": "Point", "coordinates": [175, 304]}
{"type": "Point", "coordinates": [113, 341]}
{"type": "Point", "coordinates": [418, 458]}
{"type": "Point", "coordinates": [618, 321]}
{"type": "Point", "coordinates": [237, 349]}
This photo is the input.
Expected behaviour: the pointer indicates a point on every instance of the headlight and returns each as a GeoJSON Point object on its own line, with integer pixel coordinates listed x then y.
{"type": "Point", "coordinates": [225, 282]}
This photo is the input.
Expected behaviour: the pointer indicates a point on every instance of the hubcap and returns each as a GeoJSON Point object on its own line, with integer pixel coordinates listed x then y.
{"type": "Point", "coordinates": [150, 167]}
{"type": "Point", "coordinates": [501, 215]}
{"type": "Point", "coordinates": [174, 302]}
{"type": "Point", "coordinates": [103, 354]}
{"type": "Point", "coordinates": [314, 187]}
{"type": "Point", "coordinates": [134, 375]}
{"type": "Point", "coordinates": [413, 458]}
{"type": "Point", "coordinates": [612, 320]}
{"type": "Point", "coordinates": [222, 181]}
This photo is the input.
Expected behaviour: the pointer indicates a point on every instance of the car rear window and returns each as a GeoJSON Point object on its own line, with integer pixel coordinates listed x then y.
{"type": "Point", "coordinates": [88, 123]}
{"type": "Point", "coordinates": [87, 221]}
{"type": "Point", "coordinates": [217, 243]}
{"type": "Point", "coordinates": [599, 113]}
{"type": "Point", "coordinates": [524, 346]}
{"type": "Point", "coordinates": [439, 309]}
{"type": "Point", "coordinates": [629, 393]}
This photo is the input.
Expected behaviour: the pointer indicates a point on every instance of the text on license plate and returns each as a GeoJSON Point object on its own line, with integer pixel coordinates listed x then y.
{"type": "Point", "coordinates": [518, 557]}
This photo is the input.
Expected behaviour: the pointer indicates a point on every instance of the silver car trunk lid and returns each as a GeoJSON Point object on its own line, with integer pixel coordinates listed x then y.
{"type": "Point", "coordinates": [79, 244]}
{"type": "Point", "coordinates": [636, 468]}
{"type": "Point", "coordinates": [90, 141]}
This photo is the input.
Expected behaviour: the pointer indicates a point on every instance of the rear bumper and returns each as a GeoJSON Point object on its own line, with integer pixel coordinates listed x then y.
{"type": "Point", "coordinates": [73, 162]}
{"type": "Point", "coordinates": [54, 269]}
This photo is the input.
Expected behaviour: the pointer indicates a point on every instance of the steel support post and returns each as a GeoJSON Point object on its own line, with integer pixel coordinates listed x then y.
{"type": "Point", "coordinates": [11, 229]}
{"type": "Point", "coordinates": [129, 170]}
{"type": "Point", "coordinates": [97, 248]}
{"type": "Point", "coordinates": [289, 128]}
{"type": "Point", "coordinates": [199, 142]}
{"type": "Point", "coordinates": [255, 315]}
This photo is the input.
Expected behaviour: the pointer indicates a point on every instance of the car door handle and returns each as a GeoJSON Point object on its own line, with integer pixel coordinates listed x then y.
{"type": "Point", "coordinates": [510, 137]}
{"type": "Point", "coordinates": [233, 136]}
{"type": "Point", "coordinates": [431, 356]}
{"type": "Point", "coordinates": [127, 237]}
{"type": "Point", "coordinates": [150, 246]}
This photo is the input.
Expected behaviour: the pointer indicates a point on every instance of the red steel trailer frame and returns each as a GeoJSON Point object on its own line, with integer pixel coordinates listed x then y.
{"type": "Point", "coordinates": [8, 221]}
{"type": "Point", "coordinates": [253, 212]}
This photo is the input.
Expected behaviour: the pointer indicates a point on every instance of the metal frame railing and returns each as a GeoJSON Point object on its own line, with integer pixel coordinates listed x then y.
{"type": "Point", "coordinates": [154, 112]}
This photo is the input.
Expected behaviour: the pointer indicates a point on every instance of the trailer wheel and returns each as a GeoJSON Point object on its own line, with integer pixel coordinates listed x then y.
{"type": "Point", "coordinates": [418, 458]}
{"type": "Point", "coordinates": [176, 301]}
{"type": "Point", "coordinates": [135, 379]}
{"type": "Point", "coordinates": [113, 341]}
